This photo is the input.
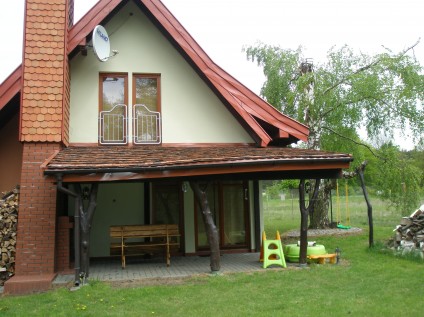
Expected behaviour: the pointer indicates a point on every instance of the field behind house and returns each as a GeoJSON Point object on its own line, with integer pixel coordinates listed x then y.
{"type": "Point", "coordinates": [284, 214]}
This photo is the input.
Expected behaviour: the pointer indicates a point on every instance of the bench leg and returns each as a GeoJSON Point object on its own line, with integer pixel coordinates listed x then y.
{"type": "Point", "coordinates": [168, 256]}
{"type": "Point", "coordinates": [122, 253]}
{"type": "Point", "coordinates": [123, 261]}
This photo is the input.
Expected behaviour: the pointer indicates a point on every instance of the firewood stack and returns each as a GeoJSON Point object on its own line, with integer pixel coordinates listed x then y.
{"type": "Point", "coordinates": [9, 205]}
{"type": "Point", "coordinates": [409, 235]}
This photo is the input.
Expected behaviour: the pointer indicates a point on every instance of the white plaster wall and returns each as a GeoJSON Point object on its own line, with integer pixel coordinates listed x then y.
{"type": "Point", "coordinates": [191, 113]}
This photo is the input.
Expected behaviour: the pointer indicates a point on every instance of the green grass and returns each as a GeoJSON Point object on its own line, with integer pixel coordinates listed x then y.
{"type": "Point", "coordinates": [365, 283]}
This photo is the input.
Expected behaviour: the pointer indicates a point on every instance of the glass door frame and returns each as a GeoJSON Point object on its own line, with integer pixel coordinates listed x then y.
{"type": "Point", "coordinates": [219, 186]}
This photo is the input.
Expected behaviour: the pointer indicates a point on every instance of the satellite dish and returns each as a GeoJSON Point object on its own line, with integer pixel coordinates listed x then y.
{"type": "Point", "coordinates": [101, 43]}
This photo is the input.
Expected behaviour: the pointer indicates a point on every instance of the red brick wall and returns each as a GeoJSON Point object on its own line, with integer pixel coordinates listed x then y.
{"type": "Point", "coordinates": [35, 249]}
{"type": "Point", "coordinates": [63, 238]}
{"type": "Point", "coordinates": [44, 126]}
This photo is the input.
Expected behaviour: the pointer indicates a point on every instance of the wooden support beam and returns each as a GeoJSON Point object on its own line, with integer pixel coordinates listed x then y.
{"type": "Point", "coordinates": [360, 170]}
{"type": "Point", "coordinates": [85, 221]}
{"type": "Point", "coordinates": [210, 227]}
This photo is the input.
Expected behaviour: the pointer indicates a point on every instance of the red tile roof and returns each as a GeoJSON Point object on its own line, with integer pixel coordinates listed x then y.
{"type": "Point", "coordinates": [210, 160]}
{"type": "Point", "coordinates": [10, 87]}
{"type": "Point", "coordinates": [264, 123]}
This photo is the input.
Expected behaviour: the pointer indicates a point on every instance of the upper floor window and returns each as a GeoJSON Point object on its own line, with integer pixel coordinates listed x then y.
{"type": "Point", "coordinates": [114, 127]}
{"type": "Point", "coordinates": [146, 112]}
{"type": "Point", "coordinates": [113, 95]}
{"type": "Point", "coordinates": [146, 90]}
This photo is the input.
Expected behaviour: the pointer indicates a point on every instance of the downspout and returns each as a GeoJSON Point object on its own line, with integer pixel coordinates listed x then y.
{"type": "Point", "coordinates": [76, 226]}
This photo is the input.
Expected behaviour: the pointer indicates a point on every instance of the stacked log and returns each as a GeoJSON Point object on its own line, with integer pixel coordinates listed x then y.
{"type": "Point", "coordinates": [9, 205]}
{"type": "Point", "coordinates": [409, 234]}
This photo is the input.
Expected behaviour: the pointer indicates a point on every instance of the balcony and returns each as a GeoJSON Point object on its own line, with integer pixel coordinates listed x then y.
{"type": "Point", "coordinates": [113, 125]}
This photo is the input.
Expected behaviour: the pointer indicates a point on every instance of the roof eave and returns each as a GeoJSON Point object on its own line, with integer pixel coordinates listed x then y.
{"type": "Point", "coordinates": [312, 163]}
{"type": "Point", "coordinates": [10, 87]}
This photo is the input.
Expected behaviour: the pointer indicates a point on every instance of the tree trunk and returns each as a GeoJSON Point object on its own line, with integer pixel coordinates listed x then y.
{"type": "Point", "coordinates": [210, 227]}
{"type": "Point", "coordinates": [86, 219]}
{"type": "Point", "coordinates": [304, 212]}
{"type": "Point", "coordinates": [360, 170]}
{"type": "Point", "coordinates": [318, 217]}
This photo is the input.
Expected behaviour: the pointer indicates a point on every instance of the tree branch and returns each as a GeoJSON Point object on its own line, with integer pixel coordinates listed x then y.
{"type": "Point", "coordinates": [356, 142]}
{"type": "Point", "coordinates": [342, 104]}
{"type": "Point", "coordinates": [344, 79]}
{"type": "Point", "coordinates": [361, 69]}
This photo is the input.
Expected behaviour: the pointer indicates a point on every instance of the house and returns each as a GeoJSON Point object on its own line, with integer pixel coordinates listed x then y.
{"type": "Point", "coordinates": [141, 127]}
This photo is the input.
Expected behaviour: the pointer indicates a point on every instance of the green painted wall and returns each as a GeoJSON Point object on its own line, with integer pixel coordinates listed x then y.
{"type": "Point", "coordinates": [118, 204]}
{"type": "Point", "coordinates": [191, 113]}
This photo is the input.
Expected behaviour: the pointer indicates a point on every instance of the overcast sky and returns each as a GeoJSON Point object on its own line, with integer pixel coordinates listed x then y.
{"type": "Point", "coordinates": [223, 27]}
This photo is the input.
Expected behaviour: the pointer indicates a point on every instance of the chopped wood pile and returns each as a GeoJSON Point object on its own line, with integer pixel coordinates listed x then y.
{"type": "Point", "coordinates": [9, 205]}
{"type": "Point", "coordinates": [409, 235]}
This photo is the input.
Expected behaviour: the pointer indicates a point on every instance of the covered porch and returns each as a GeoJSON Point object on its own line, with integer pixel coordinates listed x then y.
{"type": "Point", "coordinates": [192, 165]}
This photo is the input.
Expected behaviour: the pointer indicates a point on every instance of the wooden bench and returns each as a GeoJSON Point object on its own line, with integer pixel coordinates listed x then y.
{"type": "Point", "coordinates": [322, 257]}
{"type": "Point", "coordinates": [144, 239]}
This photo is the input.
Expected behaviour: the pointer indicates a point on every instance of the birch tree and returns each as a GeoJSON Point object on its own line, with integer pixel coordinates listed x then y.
{"type": "Point", "coordinates": [348, 92]}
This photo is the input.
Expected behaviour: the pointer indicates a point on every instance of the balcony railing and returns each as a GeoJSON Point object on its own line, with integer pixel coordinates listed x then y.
{"type": "Point", "coordinates": [147, 126]}
{"type": "Point", "coordinates": [113, 128]}
{"type": "Point", "coordinates": [113, 125]}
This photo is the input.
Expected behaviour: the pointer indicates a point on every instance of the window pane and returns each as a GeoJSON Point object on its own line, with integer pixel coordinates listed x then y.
{"type": "Point", "coordinates": [234, 219]}
{"type": "Point", "coordinates": [147, 92]}
{"type": "Point", "coordinates": [113, 92]}
{"type": "Point", "coordinates": [166, 204]}
{"type": "Point", "coordinates": [113, 116]}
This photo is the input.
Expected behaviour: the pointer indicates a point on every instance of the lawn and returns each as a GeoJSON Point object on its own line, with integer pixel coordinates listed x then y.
{"type": "Point", "coordinates": [365, 283]}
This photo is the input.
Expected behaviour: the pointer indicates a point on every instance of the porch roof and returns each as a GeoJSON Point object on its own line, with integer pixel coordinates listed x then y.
{"type": "Point", "coordinates": [115, 163]}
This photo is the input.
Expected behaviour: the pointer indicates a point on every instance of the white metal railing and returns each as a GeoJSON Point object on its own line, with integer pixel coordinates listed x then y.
{"type": "Point", "coordinates": [147, 125]}
{"type": "Point", "coordinates": [113, 128]}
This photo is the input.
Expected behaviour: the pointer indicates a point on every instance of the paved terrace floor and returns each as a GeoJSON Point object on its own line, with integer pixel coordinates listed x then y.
{"type": "Point", "coordinates": [138, 269]}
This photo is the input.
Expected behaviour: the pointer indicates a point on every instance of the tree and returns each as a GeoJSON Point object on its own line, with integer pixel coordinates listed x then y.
{"type": "Point", "coordinates": [337, 98]}
{"type": "Point", "coordinates": [402, 182]}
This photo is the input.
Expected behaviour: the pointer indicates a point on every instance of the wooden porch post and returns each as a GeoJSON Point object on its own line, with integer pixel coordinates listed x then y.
{"type": "Point", "coordinates": [211, 230]}
{"type": "Point", "coordinates": [85, 221]}
{"type": "Point", "coordinates": [360, 170]}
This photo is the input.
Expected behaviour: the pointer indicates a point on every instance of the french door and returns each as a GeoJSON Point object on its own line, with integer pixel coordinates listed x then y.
{"type": "Point", "coordinates": [228, 202]}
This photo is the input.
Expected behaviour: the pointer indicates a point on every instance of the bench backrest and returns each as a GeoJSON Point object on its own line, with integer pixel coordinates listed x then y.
{"type": "Point", "coordinates": [140, 231]}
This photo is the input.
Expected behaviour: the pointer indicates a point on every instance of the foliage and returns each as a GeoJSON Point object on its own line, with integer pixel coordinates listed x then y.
{"type": "Point", "coordinates": [416, 157]}
{"type": "Point", "coordinates": [401, 183]}
{"type": "Point", "coordinates": [273, 190]}
{"type": "Point", "coordinates": [347, 93]}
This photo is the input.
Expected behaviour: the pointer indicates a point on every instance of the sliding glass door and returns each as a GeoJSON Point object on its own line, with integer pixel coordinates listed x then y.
{"type": "Point", "coordinates": [228, 202]}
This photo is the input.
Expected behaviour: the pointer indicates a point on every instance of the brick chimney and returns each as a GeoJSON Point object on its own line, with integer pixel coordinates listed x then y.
{"type": "Point", "coordinates": [43, 130]}
{"type": "Point", "coordinates": [46, 82]}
